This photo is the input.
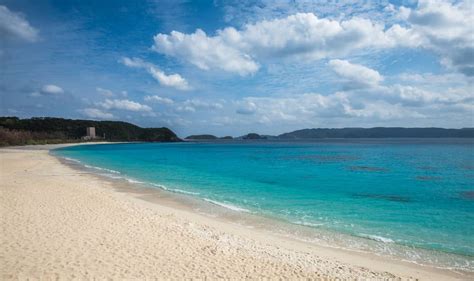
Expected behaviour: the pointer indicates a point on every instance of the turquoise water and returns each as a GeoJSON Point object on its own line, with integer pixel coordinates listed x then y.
{"type": "Point", "coordinates": [413, 194]}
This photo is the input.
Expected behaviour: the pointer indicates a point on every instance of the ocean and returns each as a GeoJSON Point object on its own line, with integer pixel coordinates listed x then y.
{"type": "Point", "coordinates": [411, 199]}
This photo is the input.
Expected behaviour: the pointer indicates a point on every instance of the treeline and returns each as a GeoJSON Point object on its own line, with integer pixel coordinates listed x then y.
{"type": "Point", "coordinates": [16, 131]}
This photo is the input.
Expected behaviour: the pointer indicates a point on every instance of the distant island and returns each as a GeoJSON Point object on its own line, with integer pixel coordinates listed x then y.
{"type": "Point", "coordinates": [379, 132]}
{"type": "Point", "coordinates": [207, 137]}
{"type": "Point", "coordinates": [201, 137]}
{"type": "Point", "coordinates": [45, 130]}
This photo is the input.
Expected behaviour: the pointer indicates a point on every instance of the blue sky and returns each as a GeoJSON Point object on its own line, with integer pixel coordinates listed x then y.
{"type": "Point", "coordinates": [233, 67]}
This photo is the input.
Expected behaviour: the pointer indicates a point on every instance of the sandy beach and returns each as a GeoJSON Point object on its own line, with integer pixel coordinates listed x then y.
{"type": "Point", "coordinates": [63, 223]}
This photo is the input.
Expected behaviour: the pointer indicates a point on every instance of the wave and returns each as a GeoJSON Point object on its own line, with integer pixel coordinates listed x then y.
{"type": "Point", "coordinates": [183, 191]}
{"type": "Point", "coordinates": [304, 223]}
{"type": "Point", "coordinates": [72, 160]}
{"type": "Point", "coordinates": [177, 190]}
{"type": "Point", "coordinates": [101, 169]}
{"type": "Point", "coordinates": [228, 206]}
{"type": "Point", "coordinates": [134, 181]}
{"type": "Point", "coordinates": [376, 238]}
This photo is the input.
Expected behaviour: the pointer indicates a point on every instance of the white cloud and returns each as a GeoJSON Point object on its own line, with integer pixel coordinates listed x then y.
{"type": "Point", "coordinates": [205, 52]}
{"type": "Point", "coordinates": [417, 96]}
{"type": "Point", "coordinates": [172, 80]}
{"type": "Point", "coordinates": [105, 92]}
{"type": "Point", "coordinates": [185, 108]}
{"type": "Point", "coordinates": [124, 105]}
{"type": "Point", "coordinates": [192, 105]}
{"type": "Point", "coordinates": [302, 35]}
{"type": "Point", "coordinates": [446, 28]}
{"type": "Point", "coordinates": [203, 104]}
{"type": "Point", "coordinates": [246, 108]}
{"type": "Point", "coordinates": [383, 111]}
{"type": "Point", "coordinates": [294, 109]}
{"type": "Point", "coordinates": [51, 90]}
{"type": "Point", "coordinates": [158, 99]}
{"type": "Point", "coordinates": [443, 27]}
{"type": "Point", "coordinates": [97, 113]}
{"type": "Point", "coordinates": [357, 76]}
{"type": "Point", "coordinates": [15, 25]}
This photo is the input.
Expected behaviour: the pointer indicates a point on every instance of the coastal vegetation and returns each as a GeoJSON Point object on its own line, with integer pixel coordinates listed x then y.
{"type": "Point", "coordinates": [46, 130]}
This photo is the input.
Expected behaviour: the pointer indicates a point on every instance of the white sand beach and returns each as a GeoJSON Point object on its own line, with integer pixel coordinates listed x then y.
{"type": "Point", "coordinates": [62, 223]}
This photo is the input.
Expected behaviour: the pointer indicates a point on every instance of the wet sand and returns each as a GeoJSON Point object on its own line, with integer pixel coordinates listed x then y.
{"type": "Point", "coordinates": [60, 222]}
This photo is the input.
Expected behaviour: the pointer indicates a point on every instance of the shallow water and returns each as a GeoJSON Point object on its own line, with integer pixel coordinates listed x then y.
{"type": "Point", "coordinates": [408, 198]}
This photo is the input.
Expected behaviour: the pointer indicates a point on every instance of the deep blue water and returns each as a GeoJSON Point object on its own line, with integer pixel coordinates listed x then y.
{"type": "Point", "coordinates": [417, 194]}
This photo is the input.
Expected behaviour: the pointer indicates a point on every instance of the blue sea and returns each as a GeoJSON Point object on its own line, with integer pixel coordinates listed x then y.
{"type": "Point", "coordinates": [411, 199]}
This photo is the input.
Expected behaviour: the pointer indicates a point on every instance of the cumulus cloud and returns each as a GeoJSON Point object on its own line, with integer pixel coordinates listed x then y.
{"type": "Point", "coordinates": [48, 90]}
{"type": "Point", "coordinates": [158, 99]}
{"type": "Point", "coordinates": [443, 27]}
{"type": "Point", "coordinates": [246, 108]}
{"type": "Point", "coordinates": [15, 25]}
{"type": "Point", "coordinates": [447, 29]}
{"type": "Point", "coordinates": [417, 96]}
{"type": "Point", "coordinates": [123, 105]}
{"type": "Point", "coordinates": [172, 80]}
{"type": "Point", "coordinates": [97, 113]}
{"type": "Point", "coordinates": [299, 108]}
{"type": "Point", "coordinates": [371, 105]}
{"type": "Point", "coordinates": [302, 35]}
{"type": "Point", "coordinates": [205, 52]}
{"type": "Point", "coordinates": [356, 75]}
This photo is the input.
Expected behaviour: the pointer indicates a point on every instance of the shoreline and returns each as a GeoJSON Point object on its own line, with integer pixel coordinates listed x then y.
{"type": "Point", "coordinates": [300, 259]}
{"type": "Point", "coordinates": [269, 225]}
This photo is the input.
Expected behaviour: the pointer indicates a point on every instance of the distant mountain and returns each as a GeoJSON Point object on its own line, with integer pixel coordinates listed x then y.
{"type": "Point", "coordinates": [16, 131]}
{"type": "Point", "coordinates": [201, 137]}
{"type": "Point", "coordinates": [379, 132]}
{"type": "Point", "coordinates": [227, 138]}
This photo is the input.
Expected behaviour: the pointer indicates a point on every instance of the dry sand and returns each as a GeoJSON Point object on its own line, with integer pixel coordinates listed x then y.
{"type": "Point", "coordinates": [59, 222]}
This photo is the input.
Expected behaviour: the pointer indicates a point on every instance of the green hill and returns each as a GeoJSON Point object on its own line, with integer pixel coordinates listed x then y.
{"type": "Point", "coordinates": [16, 131]}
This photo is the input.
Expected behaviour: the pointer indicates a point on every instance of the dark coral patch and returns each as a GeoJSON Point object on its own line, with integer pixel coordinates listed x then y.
{"type": "Point", "coordinates": [393, 198]}
{"type": "Point", "coordinates": [428, 178]}
{"type": "Point", "coordinates": [427, 168]}
{"type": "Point", "coordinates": [368, 169]}
{"type": "Point", "coordinates": [469, 195]}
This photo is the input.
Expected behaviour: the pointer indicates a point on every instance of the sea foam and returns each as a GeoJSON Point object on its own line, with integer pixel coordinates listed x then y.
{"type": "Point", "coordinates": [228, 206]}
{"type": "Point", "coordinates": [376, 238]}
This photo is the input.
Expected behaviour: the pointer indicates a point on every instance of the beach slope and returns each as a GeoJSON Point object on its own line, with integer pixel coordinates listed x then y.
{"type": "Point", "coordinates": [59, 222]}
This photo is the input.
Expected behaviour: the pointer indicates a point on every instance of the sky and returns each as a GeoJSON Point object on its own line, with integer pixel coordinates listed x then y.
{"type": "Point", "coordinates": [240, 66]}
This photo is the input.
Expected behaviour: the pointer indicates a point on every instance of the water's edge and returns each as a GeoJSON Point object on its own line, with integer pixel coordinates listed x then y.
{"type": "Point", "coordinates": [298, 230]}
